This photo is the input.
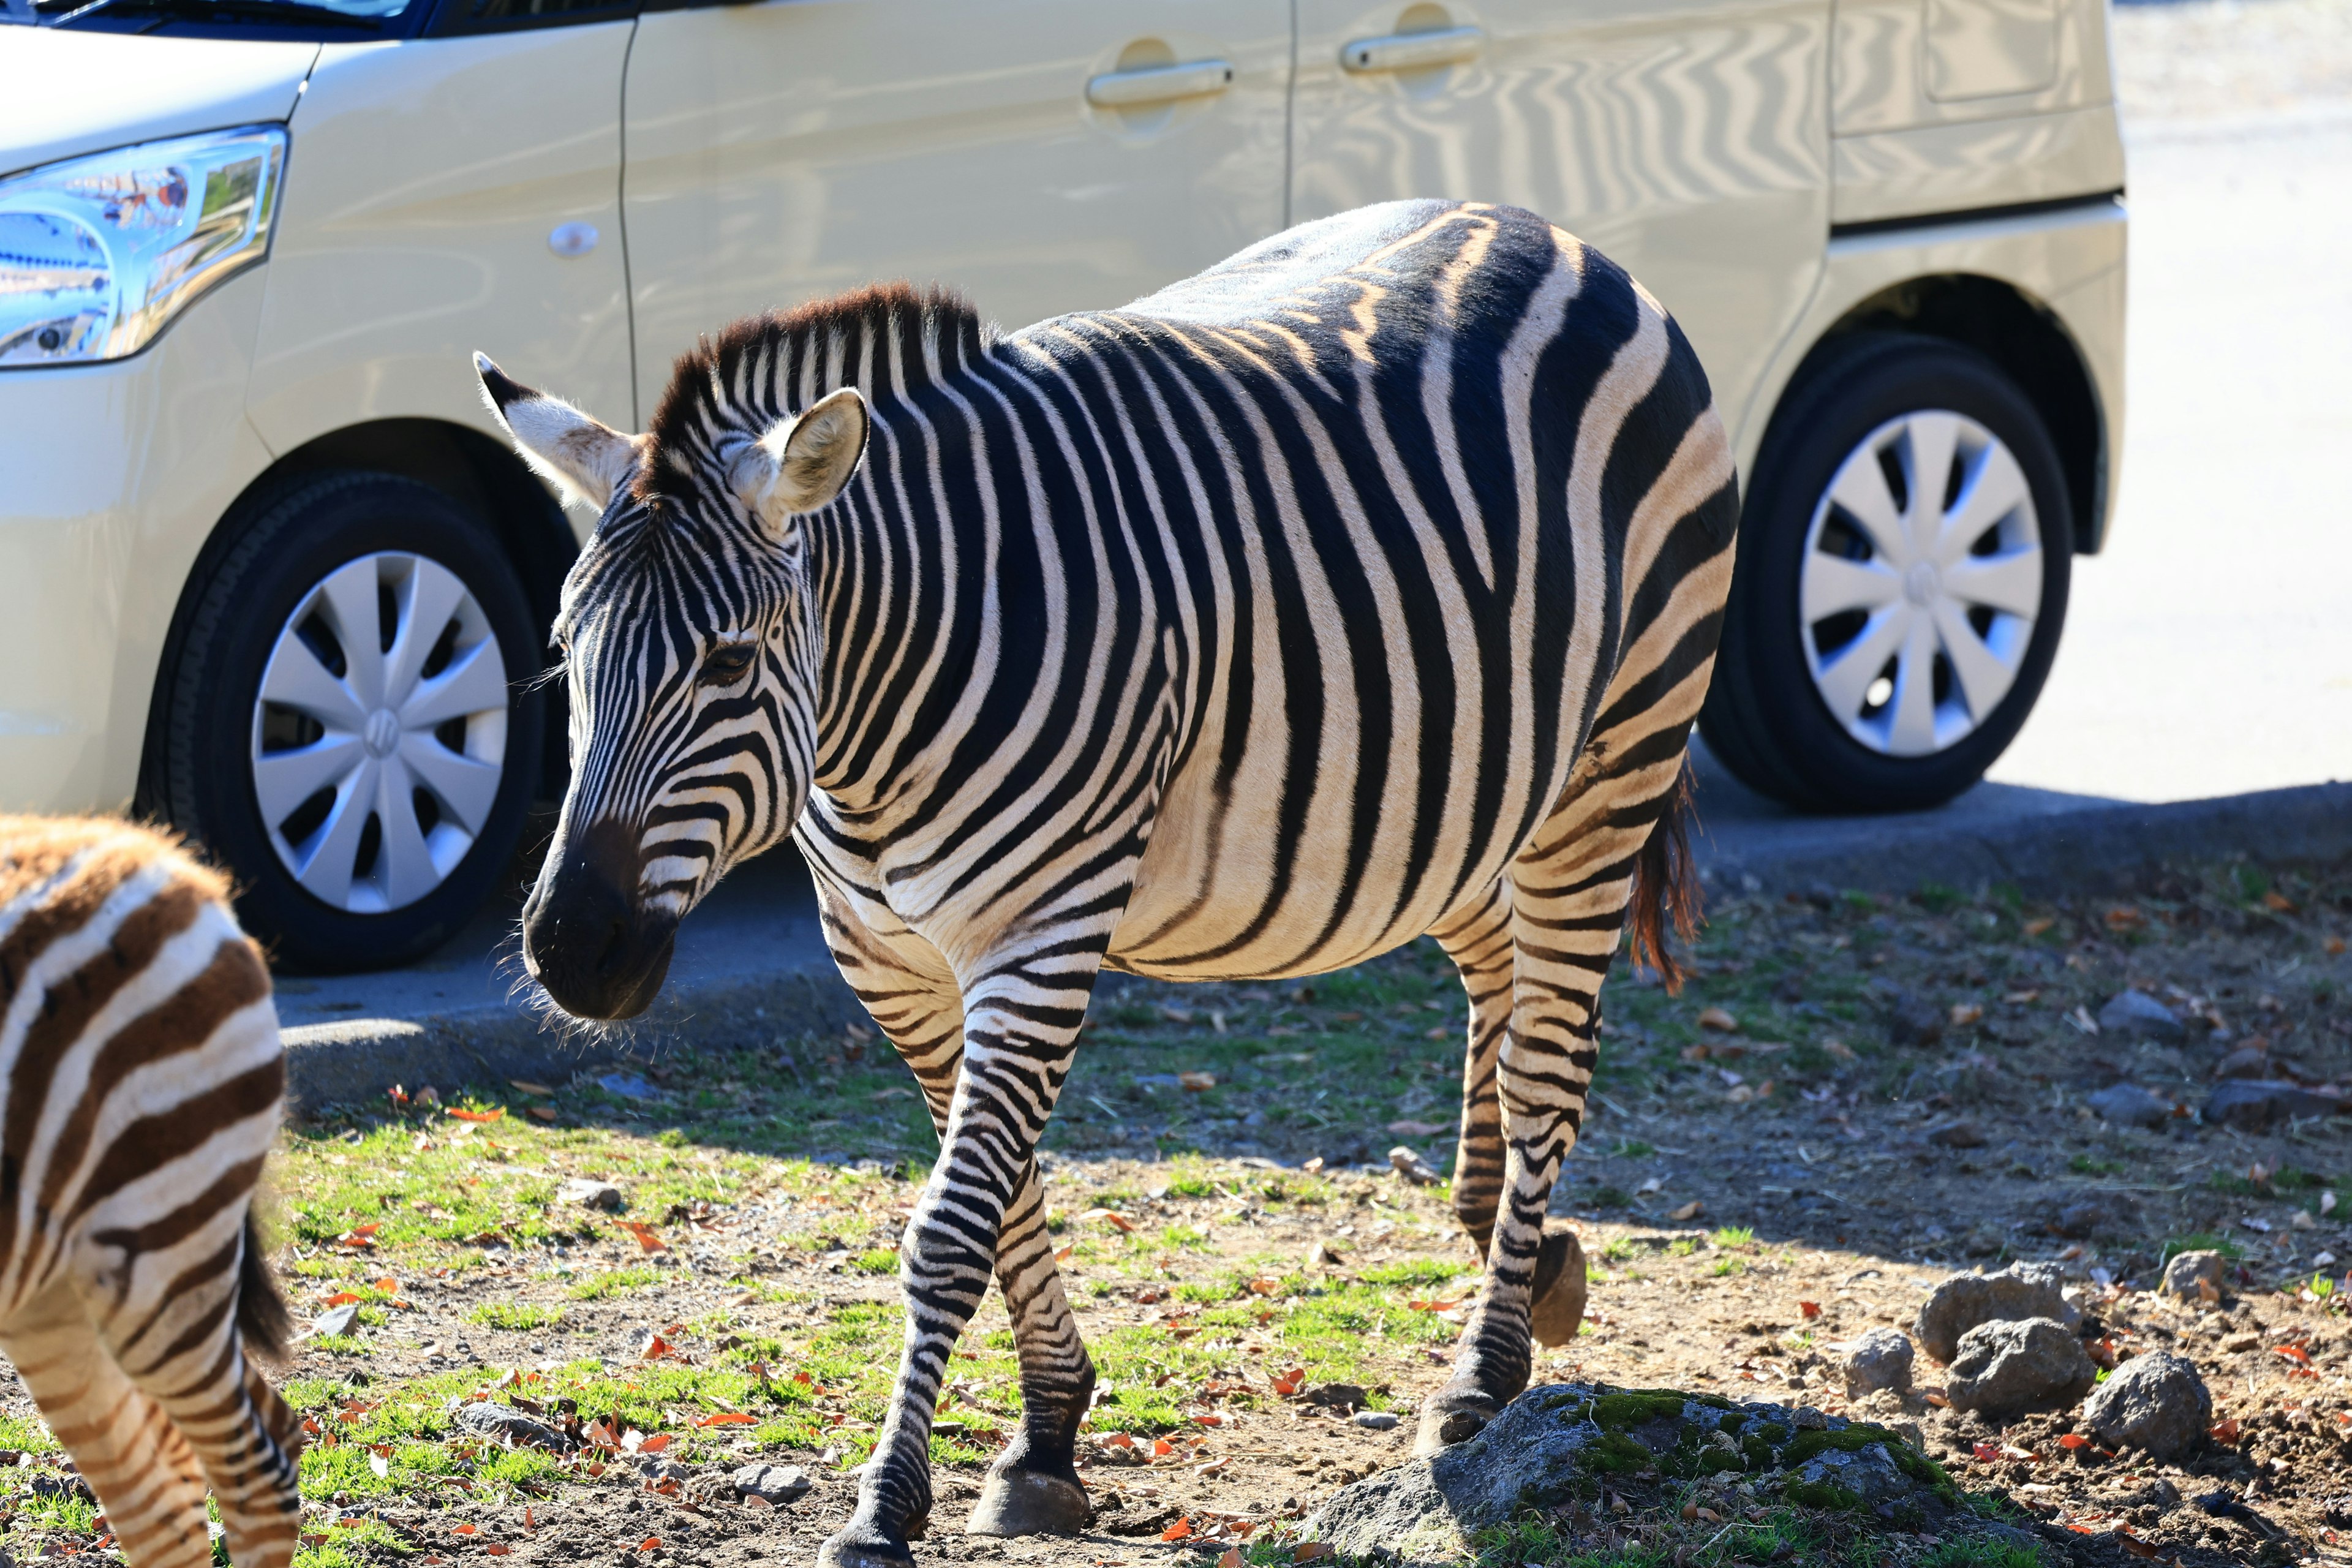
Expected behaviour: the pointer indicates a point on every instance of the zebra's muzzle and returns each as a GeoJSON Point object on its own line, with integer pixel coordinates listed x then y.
{"type": "Point", "coordinates": [587, 939]}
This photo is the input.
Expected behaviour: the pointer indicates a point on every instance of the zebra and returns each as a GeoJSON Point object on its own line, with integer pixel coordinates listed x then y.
{"type": "Point", "coordinates": [1362, 586]}
{"type": "Point", "coordinates": [141, 1081]}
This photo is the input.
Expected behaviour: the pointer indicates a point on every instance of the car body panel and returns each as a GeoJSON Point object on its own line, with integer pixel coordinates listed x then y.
{"type": "Point", "coordinates": [1976, 163]}
{"type": "Point", "coordinates": [97, 535]}
{"type": "Point", "coordinates": [1688, 142]}
{"type": "Point", "coordinates": [782, 152]}
{"type": "Point", "coordinates": [1765, 166]}
{"type": "Point", "coordinates": [425, 180]}
{"type": "Point", "coordinates": [2072, 262]}
{"type": "Point", "coordinates": [69, 92]}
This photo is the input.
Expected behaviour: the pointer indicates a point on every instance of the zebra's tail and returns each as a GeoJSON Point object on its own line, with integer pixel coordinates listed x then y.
{"type": "Point", "coordinates": [1666, 895]}
{"type": "Point", "coordinates": [262, 1319]}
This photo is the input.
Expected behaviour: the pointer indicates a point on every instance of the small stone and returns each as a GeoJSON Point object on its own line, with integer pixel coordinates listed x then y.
{"type": "Point", "coordinates": [1881, 1359]}
{"type": "Point", "coordinates": [1962, 1134]}
{"type": "Point", "coordinates": [1376, 1420]}
{"type": "Point", "coordinates": [2154, 1403]}
{"type": "Point", "coordinates": [654, 1467]}
{"type": "Point", "coordinates": [337, 1321]}
{"type": "Point", "coordinates": [589, 1193]}
{"type": "Point", "coordinates": [627, 1086]}
{"type": "Point", "coordinates": [1323, 1254]}
{"type": "Point", "coordinates": [2252, 1059]}
{"type": "Point", "coordinates": [1914, 1021]}
{"type": "Point", "coordinates": [504, 1423]}
{"type": "Point", "coordinates": [777, 1485]}
{"type": "Point", "coordinates": [2137, 1014]}
{"type": "Point", "coordinates": [1409, 1164]}
{"type": "Point", "coordinates": [1965, 1300]}
{"type": "Point", "coordinates": [1808, 1419]}
{"type": "Point", "coordinates": [2195, 1276]}
{"type": "Point", "coordinates": [2129, 1105]}
{"type": "Point", "coordinates": [2012, 1367]}
{"type": "Point", "coordinates": [2257, 1105]}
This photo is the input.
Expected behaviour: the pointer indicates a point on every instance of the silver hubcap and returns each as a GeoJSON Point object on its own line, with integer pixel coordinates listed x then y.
{"type": "Point", "coordinates": [380, 733]}
{"type": "Point", "coordinates": [1921, 584]}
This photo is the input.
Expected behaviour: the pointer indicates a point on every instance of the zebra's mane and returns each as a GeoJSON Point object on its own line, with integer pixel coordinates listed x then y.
{"type": "Point", "coordinates": [887, 339]}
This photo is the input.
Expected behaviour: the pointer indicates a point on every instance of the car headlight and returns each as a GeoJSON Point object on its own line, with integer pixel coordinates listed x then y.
{"type": "Point", "coordinates": [97, 253]}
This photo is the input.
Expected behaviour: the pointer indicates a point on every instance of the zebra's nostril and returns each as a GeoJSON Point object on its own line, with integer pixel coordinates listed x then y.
{"type": "Point", "coordinates": [617, 941]}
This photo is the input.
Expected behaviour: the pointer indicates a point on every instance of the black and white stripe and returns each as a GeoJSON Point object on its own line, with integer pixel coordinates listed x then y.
{"type": "Point", "coordinates": [1362, 587]}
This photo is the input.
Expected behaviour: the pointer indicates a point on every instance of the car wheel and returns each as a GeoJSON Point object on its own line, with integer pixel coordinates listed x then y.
{"type": "Point", "coordinates": [351, 729]}
{"type": "Point", "coordinates": [1902, 566]}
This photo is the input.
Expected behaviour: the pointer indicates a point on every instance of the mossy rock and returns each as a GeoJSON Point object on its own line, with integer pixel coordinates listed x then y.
{"type": "Point", "coordinates": [1557, 1445]}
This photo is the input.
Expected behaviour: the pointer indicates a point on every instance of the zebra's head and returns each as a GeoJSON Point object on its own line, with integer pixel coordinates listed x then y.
{"type": "Point", "coordinates": [690, 644]}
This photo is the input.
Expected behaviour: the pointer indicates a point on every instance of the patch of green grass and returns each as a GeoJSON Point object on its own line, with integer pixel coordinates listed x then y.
{"type": "Point", "coordinates": [1725, 1267]}
{"type": "Point", "coordinates": [1181, 1237]}
{"type": "Point", "coordinates": [616, 1282]}
{"type": "Point", "coordinates": [516, 1316]}
{"type": "Point", "coordinates": [1413, 1271]}
{"type": "Point", "coordinates": [1608, 1197]}
{"type": "Point", "coordinates": [2090, 1166]}
{"type": "Point", "coordinates": [879, 1260]}
{"type": "Point", "coordinates": [1636, 1149]}
{"type": "Point", "coordinates": [1734, 1237]}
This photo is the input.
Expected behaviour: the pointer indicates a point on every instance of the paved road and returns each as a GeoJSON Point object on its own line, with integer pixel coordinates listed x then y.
{"type": "Point", "coordinates": [2209, 650]}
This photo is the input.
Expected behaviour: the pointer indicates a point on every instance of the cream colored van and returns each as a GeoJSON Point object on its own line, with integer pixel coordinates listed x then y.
{"type": "Point", "coordinates": [266, 569]}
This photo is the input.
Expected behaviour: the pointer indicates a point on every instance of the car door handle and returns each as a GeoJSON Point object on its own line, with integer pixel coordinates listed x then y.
{"type": "Point", "coordinates": [1158, 84]}
{"type": "Point", "coordinates": [1413, 51]}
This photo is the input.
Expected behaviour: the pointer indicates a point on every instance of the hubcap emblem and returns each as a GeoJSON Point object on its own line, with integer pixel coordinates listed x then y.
{"type": "Point", "coordinates": [1922, 583]}
{"type": "Point", "coordinates": [381, 734]}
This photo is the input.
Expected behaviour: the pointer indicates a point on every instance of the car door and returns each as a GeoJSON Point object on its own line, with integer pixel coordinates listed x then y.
{"type": "Point", "coordinates": [1688, 142]}
{"type": "Point", "coordinates": [1040, 155]}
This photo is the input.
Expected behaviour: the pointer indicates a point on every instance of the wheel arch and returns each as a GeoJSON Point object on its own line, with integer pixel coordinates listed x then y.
{"type": "Point", "coordinates": [477, 473]}
{"type": "Point", "coordinates": [2030, 344]}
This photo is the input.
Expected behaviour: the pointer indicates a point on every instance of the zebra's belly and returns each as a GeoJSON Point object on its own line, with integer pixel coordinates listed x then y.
{"type": "Point", "coordinates": [1252, 883]}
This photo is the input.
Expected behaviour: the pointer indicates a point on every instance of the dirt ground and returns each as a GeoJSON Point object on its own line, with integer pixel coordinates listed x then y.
{"type": "Point", "coordinates": [1853, 1097]}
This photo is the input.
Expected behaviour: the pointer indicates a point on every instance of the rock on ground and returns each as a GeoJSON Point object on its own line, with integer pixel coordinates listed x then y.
{"type": "Point", "coordinates": [1961, 1302]}
{"type": "Point", "coordinates": [778, 1484]}
{"type": "Point", "coordinates": [2129, 1105]}
{"type": "Point", "coordinates": [2195, 1276]}
{"type": "Point", "coordinates": [2154, 1403]}
{"type": "Point", "coordinates": [1561, 1443]}
{"type": "Point", "coordinates": [589, 1193]}
{"type": "Point", "coordinates": [2012, 1367]}
{"type": "Point", "coordinates": [504, 1423]}
{"type": "Point", "coordinates": [2255, 1105]}
{"type": "Point", "coordinates": [1880, 1359]}
{"type": "Point", "coordinates": [2137, 1014]}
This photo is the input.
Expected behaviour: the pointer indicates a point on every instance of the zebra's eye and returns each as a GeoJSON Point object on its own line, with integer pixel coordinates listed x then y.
{"type": "Point", "coordinates": [727, 663]}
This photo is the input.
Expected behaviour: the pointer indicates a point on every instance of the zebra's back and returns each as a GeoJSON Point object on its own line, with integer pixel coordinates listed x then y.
{"type": "Point", "coordinates": [1425, 474]}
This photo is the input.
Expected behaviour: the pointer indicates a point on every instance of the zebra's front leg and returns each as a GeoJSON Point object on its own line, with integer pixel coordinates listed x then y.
{"type": "Point", "coordinates": [980, 1214]}
{"type": "Point", "coordinates": [1033, 1489]}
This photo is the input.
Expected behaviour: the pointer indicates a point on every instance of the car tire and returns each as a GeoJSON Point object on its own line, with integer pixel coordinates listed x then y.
{"type": "Point", "coordinates": [1878, 657]}
{"type": "Point", "coordinates": [365, 804]}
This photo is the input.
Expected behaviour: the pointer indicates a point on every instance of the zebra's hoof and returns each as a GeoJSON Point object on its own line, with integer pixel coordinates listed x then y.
{"type": "Point", "coordinates": [1027, 1502]}
{"type": "Point", "coordinates": [852, 1548]}
{"type": "Point", "coordinates": [1446, 1420]}
{"type": "Point", "coordinates": [1556, 1309]}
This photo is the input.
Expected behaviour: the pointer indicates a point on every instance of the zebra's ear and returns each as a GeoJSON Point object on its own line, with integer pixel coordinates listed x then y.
{"type": "Point", "coordinates": [586, 459]}
{"type": "Point", "coordinates": [803, 462]}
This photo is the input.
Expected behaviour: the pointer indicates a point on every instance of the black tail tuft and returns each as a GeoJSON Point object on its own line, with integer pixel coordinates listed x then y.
{"type": "Point", "coordinates": [262, 1320]}
{"type": "Point", "coordinates": [1665, 886]}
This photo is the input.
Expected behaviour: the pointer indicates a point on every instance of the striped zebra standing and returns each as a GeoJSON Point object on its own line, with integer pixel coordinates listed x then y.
{"type": "Point", "coordinates": [1361, 587]}
{"type": "Point", "coordinates": [140, 1085]}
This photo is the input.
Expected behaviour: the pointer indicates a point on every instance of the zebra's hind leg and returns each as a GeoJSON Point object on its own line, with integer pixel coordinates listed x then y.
{"type": "Point", "coordinates": [1568, 895]}
{"type": "Point", "coordinates": [188, 1356]}
{"type": "Point", "coordinates": [146, 1476]}
{"type": "Point", "coordinates": [1033, 1489]}
{"type": "Point", "coordinates": [1478, 939]}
